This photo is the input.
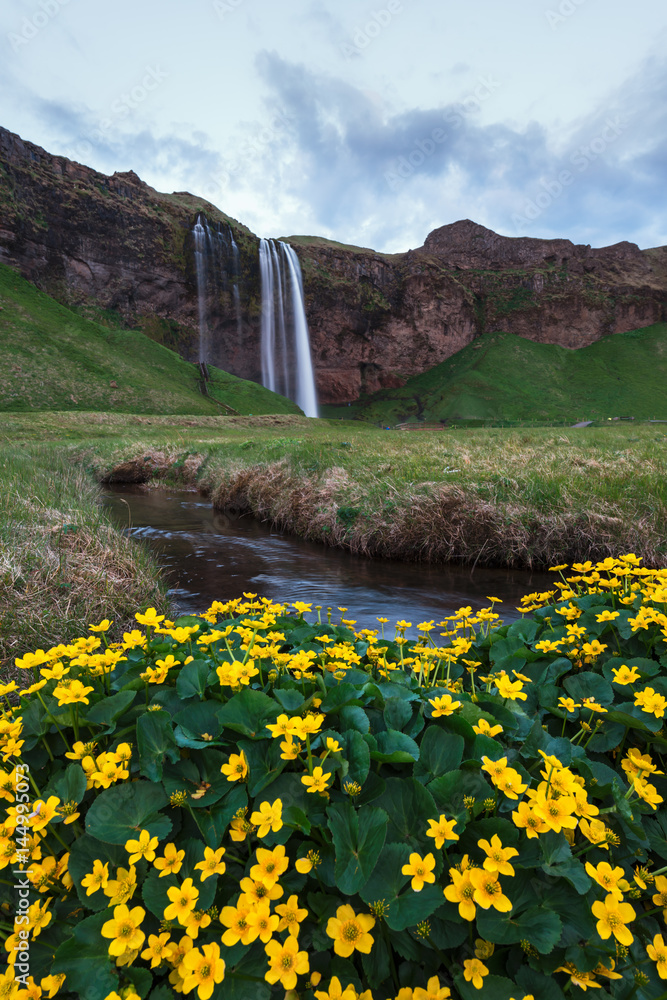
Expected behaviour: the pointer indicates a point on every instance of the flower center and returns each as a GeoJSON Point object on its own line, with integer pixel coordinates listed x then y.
{"type": "Point", "coordinates": [351, 931]}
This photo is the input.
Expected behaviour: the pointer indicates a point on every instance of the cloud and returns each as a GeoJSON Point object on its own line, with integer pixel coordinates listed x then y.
{"type": "Point", "coordinates": [367, 174]}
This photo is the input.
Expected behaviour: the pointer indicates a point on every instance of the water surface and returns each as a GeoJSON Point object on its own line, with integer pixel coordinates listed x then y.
{"type": "Point", "coordinates": [207, 555]}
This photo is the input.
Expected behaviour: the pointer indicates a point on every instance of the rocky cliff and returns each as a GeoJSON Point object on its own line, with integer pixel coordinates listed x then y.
{"type": "Point", "coordinates": [113, 243]}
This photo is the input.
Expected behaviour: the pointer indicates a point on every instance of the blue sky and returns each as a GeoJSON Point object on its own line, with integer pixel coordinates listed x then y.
{"type": "Point", "coordinates": [369, 123]}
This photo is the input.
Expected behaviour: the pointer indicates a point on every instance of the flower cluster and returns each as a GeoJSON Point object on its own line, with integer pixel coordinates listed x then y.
{"type": "Point", "coordinates": [248, 800]}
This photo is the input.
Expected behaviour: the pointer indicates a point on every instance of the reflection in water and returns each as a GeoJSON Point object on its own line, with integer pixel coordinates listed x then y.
{"type": "Point", "coordinates": [209, 556]}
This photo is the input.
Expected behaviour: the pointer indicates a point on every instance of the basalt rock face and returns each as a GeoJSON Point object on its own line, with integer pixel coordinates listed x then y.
{"type": "Point", "coordinates": [113, 243]}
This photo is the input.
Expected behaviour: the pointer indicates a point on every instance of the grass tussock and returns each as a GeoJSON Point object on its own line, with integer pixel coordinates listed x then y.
{"type": "Point", "coordinates": [62, 564]}
{"type": "Point", "coordinates": [496, 497]}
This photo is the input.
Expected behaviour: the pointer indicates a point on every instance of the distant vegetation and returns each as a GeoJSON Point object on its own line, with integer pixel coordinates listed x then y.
{"type": "Point", "coordinates": [53, 358]}
{"type": "Point", "coordinates": [500, 376]}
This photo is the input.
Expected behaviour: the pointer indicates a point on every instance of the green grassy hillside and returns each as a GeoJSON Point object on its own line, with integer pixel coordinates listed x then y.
{"type": "Point", "coordinates": [504, 377]}
{"type": "Point", "coordinates": [52, 358]}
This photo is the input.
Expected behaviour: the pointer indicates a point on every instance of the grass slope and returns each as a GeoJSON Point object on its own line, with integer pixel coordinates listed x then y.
{"type": "Point", "coordinates": [504, 377]}
{"type": "Point", "coordinates": [53, 358]}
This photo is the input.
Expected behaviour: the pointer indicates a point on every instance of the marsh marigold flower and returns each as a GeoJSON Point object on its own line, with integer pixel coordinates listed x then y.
{"type": "Point", "coordinates": [612, 918]}
{"type": "Point", "coordinates": [474, 971]}
{"type": "Point", "coordinates": [657, 952]}
{"type": "Point", "coordinates": [203, 970]}
{"type": "Point", "coordinates": [433, 991]}
{"type": "Point", "coordinates": [420, 870]}
{"type": "Point", "coordinates": [212, 863]}
{"type": "Point", "coordinates": [317, 782]}
{"type": "Point", "coordinates": [286, 962]}
{"type": "Point", "coordinates": [124, 930]}
{"type": "Point", "coordinates": [268, 818]}
{"type": "Point", "coordinates": [441, 830]}
{"type": "Point", "coordinates": [182, 901]}
{"type": "Point", "coordinates": [144, 847]}
{"type": "Point", "coordinates": [350, 931]}
{"type": "Point", "coordinates": [236, 768]}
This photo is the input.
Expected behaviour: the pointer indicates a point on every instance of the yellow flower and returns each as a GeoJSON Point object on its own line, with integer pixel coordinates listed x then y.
{"type": "Point", "coordinates": [98, 879]}
{"type": "Point", "coordinates": [102, 627]}
{"type": "Point", "coordinates": [235, 919]}
{"type": "Point", "coordinates": [122, 888]}
{"type": "Point", "coordinates": [488, 890]}
{"type": "Point", "coordinates": [73, 694]}
{"type": "Point", "coordinates": [150, 618]}
{"type": "Point", "coordinates": [237, 767]}
{"type": "Point", "coordinates": [270, 865]}
{"type": "Point", "coordinates": [212, 863]}
{"type": "Point", "coordinates": [657, 952]}
{"type": "Point", "coordinates": [474, 971]}
{"type": "Point", "coordinates": [257, 892]}
{"type": "Point", "coordinates": [445, 705]}
{"type": "Point", "coordinates": [420, 869]}
{"type": "Point", "coordinates": [198, 920]}
{"type": "Point", "coordinates": [433, 991]}
{"type": "Point", "coordinates": [291, 916]}
{"type": "Point", "coordinates": [269, 817]}
{"type": "Point", "coordinates": [625, 675]}
{"type": "Point", "coordinates": [290, 749]}
{"type": "Point", "coordinates": [203, 969]}
{"type": "Point", "coordinates": [182, 901]}
{"type": "Point", "coordinates": [159, 949]}
{"type": "Point", "coordinates": [142, 848]}
{"type": "Point", "coordinates": [124, 930]}
{"type": "Point", "coordinates": [350, 931]}
{"type": "Point", "coordinates": [462, 891]}
{"type": "Point", "coordinates": [305, 865]}
{"type": "Point", "coordinates": [317, 782]}
{"type": "Point", "coordinates": [442, 830]}
{"type": "Point", "coordinates": [569, 704]}
{"type": "Point", "coordinates": [261, 920]}
{"type": "Point", "coordinates": [484, 728]}
{"type": "Point", "coordinates": [497, 859]}
{"type": "Point", "coordinates": [484, 949]}
{"type": "Point", "coordinates": [651, 702]}
{"type": "Point", "coordinates": [171, 863]}
{"type": "Point", "coordinates": [612, 917]}
{"type": "Point", "coordinates": [607, 877]}
{"type": "Point", "coordinates": [336, 991]}
{"type": "Point", "coordinates": [510, 689]}
{"type": "Point", "coordinates": [286, 962]}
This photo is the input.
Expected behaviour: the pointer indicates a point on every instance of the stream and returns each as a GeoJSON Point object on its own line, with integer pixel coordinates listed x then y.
{"type": "Point", "coordinates": [207, 555]}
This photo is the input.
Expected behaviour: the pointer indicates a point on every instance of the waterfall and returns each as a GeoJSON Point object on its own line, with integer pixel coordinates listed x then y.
{"type": "Point", "coordinates": [287, 365]}
{"type": "Point", "coordinates": [200, 233]}
{"type": "Point", "coordinates": [218, 270]}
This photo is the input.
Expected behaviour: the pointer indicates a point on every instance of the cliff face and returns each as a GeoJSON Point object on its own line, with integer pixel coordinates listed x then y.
{"type": "Point", "coordinates": [113, 243]}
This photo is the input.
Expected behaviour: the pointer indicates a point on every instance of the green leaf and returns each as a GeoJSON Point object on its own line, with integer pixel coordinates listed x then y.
{"type": "Point", "coordinates": [214, 822]}
{"type": "Point", "coordinates": [352, 717]}
{"type": "Point", "coordinates": [94, 978]}
{"type": "Point", "coordinates": [195, 720]}
{"type": "Point", "coordinates": [408, 908]}
{"type": "Point", "coordinates": [264, 763]}
{"type": "Point", "coordinates": [439, 753]}
{"type": "Point", "coordinates": [247, 712]}
{"type": "Point", "coordinates": [109, 710]}
{"type": "Point", "coordinates": [395, 748]}
{"type": "Point", "coordinates": [573, 872]}
{"type": "Point", "coordinates": [69, 785]}
{"type": "Point", "coordinates": [589, 685]}
{"type": "Point", "coordinates": [450, 790]}
{"type": "Point", "coordinates": [540, 985]}
{"type": "Point", "coordinates": [339, 696]}
{"type": "Point", "coordinates": [496, 987]}
{"type": "Point", "coordinates": [290, 699]}
{"type": "Point", "coordinates": [409, 807]}
{"type": "Point", "coordinates": [377, 965]}
{"type": "Point", "coordinates": [141, 979]}
{"type": "Point", "coordinates": [358, 839]}
{"type": "Point", "coordinates": [539, 925]}
{"type": "Point", "coordinates": [357, 754]}
{"type": "Point", "coordinates": [83, 853]}
{"type": "Point", "coordinates": [191, 680]}
{"type": "Point", "coordinates": [120, 812]}
{"type": "Point", "coordinates": [239, 987]}
{"type": "Point", "coordinates": [397, 713]}
{"type": "Point", "coordinates": [155, 740]}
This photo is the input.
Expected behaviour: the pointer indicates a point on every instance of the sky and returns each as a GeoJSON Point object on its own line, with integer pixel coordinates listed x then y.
{"type": "Point", "coordinates": [367, 123]}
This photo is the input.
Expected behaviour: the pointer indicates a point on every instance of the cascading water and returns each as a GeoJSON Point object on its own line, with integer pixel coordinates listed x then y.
{"type": "Point", "coordinates": [218, 269]}
{"type": "Point", "coordinates": [200, 233]}
{"type": "Point", "coordinates": [287, 365]}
